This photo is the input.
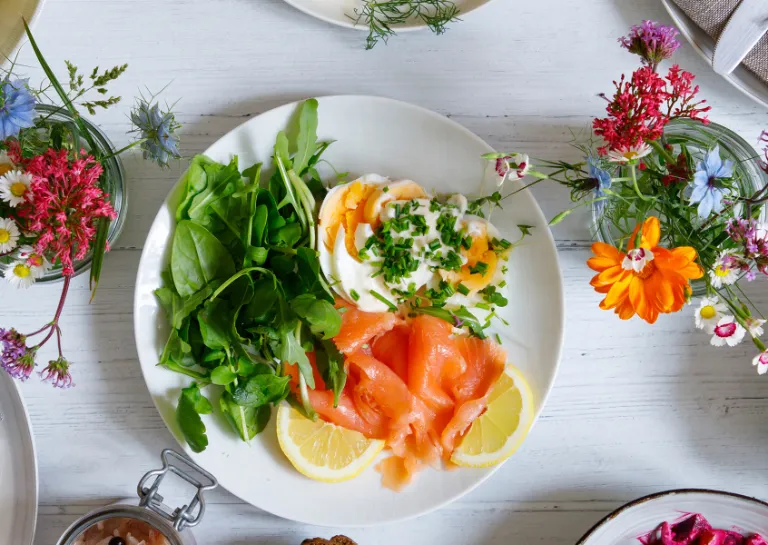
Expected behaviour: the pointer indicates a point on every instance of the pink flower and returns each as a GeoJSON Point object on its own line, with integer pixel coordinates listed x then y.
{"type": "Point", "coordinates": [57, 373]}
{"type": "Point", "coordinates": [64, 205]}
{"type": "Point", "coordinates": [17, 360]}
{"type": "Point", "coordinates": [654, 42]}
{"type": "Point", "coordinates": [761, 362]}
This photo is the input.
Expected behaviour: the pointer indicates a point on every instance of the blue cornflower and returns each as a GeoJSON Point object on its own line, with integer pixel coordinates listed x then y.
{"type": "Point", "coordinates": [602, 179]}
{"type": "Point", "coordinates": [707, 190]}
{"type": "Point", "coordinates": [158, 130]}
{"type": "Point", "coordinates": [17, 107]}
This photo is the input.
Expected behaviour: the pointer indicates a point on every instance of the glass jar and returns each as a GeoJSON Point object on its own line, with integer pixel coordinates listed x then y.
{"type": "Point", "coordinates": [700, 138]}
{"type": "Point", "coordinates": [113, 174]}
{"type": "Point", "coordinates": [150, 512]}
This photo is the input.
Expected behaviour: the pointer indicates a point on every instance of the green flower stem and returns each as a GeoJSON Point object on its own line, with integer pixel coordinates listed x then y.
{"type": "Point", "coordinates": [633, 170]}
{"type": "Point", "coordinates": [656, 145]}
{"type": "Point", "coordinates": [759, 344]}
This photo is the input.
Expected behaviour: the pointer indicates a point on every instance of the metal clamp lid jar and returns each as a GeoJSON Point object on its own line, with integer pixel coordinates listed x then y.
{"type": "Point", "coordinates": [171, 522]}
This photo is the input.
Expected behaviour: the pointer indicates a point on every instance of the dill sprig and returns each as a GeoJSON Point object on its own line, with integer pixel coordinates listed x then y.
{"type": "Point", "coordinates": [381, 17]}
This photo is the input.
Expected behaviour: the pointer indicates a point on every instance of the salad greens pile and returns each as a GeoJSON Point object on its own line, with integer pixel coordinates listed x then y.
{"type": "Point", "coordinates": [244, 292]}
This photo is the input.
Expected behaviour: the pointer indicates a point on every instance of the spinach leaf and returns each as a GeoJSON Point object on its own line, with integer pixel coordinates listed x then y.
{"type": "Point", "coordinates": [321, 316]}
{"type": "Point", "coordinates": [221, 183]}
{"type": "Point", "coordinates": [190, 304]}
{"type": "Point", "coordinates": [192, 403]}
{"type": "Point", "coordinates": [330, 365]}
{"type": "Point", "coordinates": [261, 309]}
{"type": "Point", "coordinates": [194, 181]}
{"type": "Point", "coordinates": [274, 219]}
{"type": "Point", "coordinates": [223, 376]}
{"type": "Point", "coordinates": [197, 257]}
{"type": "Point", "coordinates": [257, 255]}
{"type": "Point", "coordinates": [177, 350]}
{"type": "Point", "coordinates": [306, 140]}
{"type": "Point", "coordinates": [214, 319]}
{"type": "Point", "coordinates": [259, 225]}
{"type": "Point", "coordinates": [246, 421]}
{"type": "Point", "coordinates": [287, 236]}
{"type": "Point", "coordinates": [308, 268]}
{"type": "Point", "coordinates": [261, 390]}
{"type": "Point", "coordinates": [169, 300]}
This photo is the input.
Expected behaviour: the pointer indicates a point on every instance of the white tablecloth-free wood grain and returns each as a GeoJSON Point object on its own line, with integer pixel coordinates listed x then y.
{"type": "Point", "coordinates": [635, 410]}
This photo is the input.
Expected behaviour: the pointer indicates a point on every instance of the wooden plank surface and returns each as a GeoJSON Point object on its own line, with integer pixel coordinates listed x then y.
{"type": "Point", "coordinates": [635, 409]}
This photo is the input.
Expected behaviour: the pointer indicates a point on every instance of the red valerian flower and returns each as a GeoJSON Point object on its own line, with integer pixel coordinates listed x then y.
{"type": "Point", "coordinates": [642, 107]}
{"type": "Point", "coordinates": [63, 205]}
{"type": "Point", "coordinates": [678, 172]}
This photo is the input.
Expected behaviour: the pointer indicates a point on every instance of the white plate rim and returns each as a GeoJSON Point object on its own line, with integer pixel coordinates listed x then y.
{"type": "Point", "coordinates": [28, 441]}
{"type": "Point", "coordinates": [741, 78]}
{"type": "Point", "coordinates": [660, 495]}
{"type": "Point", "coordinates": [560, 300]}
{"type": "Point", "coordinates": [22, 39]}
{"type": "Point", "coordinates": [346, 22]}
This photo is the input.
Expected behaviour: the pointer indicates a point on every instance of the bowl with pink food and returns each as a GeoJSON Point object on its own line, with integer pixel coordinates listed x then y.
{"type": "Point", "coordinates": [684, 517]}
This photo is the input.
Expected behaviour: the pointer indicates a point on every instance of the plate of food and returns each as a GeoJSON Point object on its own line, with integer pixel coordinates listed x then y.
{"type": "Point", "coordinates": [382, 19]}
{"type": "Point", "coordinates": [18, 467]}
{"type": "Point", "coordinates": [684, 517]}
{"type": "Point", "coordinates": [12, 15]}
{"type": "Point", "coordinates": [332, 308]}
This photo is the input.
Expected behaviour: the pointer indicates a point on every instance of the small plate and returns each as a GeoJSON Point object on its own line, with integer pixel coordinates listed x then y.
{"type": "Point", "coordinates": [12, 27]}
{"type": "Point", "coordinates": [636, 519]}
{"type": "Point", "coordinates": [18, 468]}
{"type": "Point", "coordinates": [741, 78]}
{"type": "Point", "coordinates": [342, 12]}
{"type": "Point", "coordinates": [399, 140]}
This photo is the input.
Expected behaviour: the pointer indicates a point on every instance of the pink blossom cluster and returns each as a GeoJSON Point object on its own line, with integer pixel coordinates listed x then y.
{"type": "Point", "coordinates": [64, 204]}
{"type": "Point", "coordinates": [753, 238]}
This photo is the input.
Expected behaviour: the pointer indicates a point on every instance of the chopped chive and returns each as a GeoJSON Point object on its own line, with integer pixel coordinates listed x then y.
{"type": "Point", "coordinates": [479, 268]}
{"type": "Point", "coordinates": [466, 242]}
{"type": "Point", "coordinates": [498, 339]}
{"type": "Point", "coordinates": [434, 245]}
{"type": "Point", "coordinates": [462, 289]}
{"type": "Point", "coordinates": [354, 295]}
{"type": "Point", "coordinates": [502, 283]}
{"type": "Point", "coordinates": [384, 300]}
{"type": "Point", "coordinates": [385, 189]}
{"type": "Point", "coordinates": [362, 254]}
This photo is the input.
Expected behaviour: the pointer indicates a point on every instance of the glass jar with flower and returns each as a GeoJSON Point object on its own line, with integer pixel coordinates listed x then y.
{"type": "Point", "coordinates": [678, 202]}
{"type": "Point", "coordinates": [62, 191]}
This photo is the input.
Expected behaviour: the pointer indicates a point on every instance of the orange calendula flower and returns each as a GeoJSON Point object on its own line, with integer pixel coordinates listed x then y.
{"type": "Point", "coordinates": [648, 280]}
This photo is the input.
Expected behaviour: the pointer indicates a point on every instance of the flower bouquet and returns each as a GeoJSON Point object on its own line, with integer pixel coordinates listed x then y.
{"type": "Point", "coordinates": [678, 202]}
{"type": "Point", "coordinates": [61, 190]}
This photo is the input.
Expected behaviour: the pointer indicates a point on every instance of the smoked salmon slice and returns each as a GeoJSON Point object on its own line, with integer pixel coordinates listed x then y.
{"type": "Point", "coordinates": [359, 328]}
{"type": "Point", "coordinates": [391, 348]}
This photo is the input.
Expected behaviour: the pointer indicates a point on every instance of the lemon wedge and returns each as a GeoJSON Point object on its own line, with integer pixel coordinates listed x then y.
{"type": "Point", "coordinates": [502, 428]}
{"type": "Point", "coordinates": [323, 451]}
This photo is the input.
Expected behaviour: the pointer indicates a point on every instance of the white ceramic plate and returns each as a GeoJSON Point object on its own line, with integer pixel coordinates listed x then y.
{"type": "Point", "coordinates": [11, 25]}
{"type": "Point", "coordinates": [18, 468]}
{"type": "Point", "coordinates": [342, 12]}
{"type": "Point", "coordinates": [398, 140]}
{"type": "Point", "coordinates": [723, 510]}
{"type": "Point", "coordinates": [741, 78]}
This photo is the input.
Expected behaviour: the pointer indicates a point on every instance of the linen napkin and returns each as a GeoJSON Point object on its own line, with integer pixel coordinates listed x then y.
{"type": "Point", "coordinates": [712, 16]}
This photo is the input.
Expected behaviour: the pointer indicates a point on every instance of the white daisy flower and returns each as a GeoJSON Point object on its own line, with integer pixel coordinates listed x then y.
{"type": "Point", "coordinates": [761, 362]}
{"type": "Point", "coordinates": [709, 313]}
{"type": "Point", "coordinates": [13, 186]}
{"type": "Point", "coordinates": [724, 272]}
{"type": "Point", "coordinates": [9, 235]}
{"type": "Point", "coordinates": [755, 326]}
{"type": "Point", "coordinates": [637, 259]}
{"type": "Point", "coordinates": [19, 274]}
{"type": "Point", "coordinates": [727, 331]}
{"type": "Point", "coordinates": [38, 264]}
{"type": "Point", "coordinates": [6, 164]}
{"type": "Point", "coordinates": [632, 153]}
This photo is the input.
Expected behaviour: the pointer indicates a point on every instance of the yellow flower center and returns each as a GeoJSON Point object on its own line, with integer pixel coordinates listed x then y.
{"type": "Point", "coordinates": [721, 271]}
{"type": "Point", "coordinates": [5, 168]}
{"type": "Point", "coordinates": [18, 189]}
{"type": "Point", "coordinates": [5, 236]}
{"type": "Point", "coordinates": [21, 270]}
{"type": "Point", "coordinates": [708, 312]}
{"type": "Point", "coordinates": [631, 154]}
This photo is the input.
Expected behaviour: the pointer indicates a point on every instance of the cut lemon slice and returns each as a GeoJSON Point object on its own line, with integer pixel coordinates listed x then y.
{"type": "Point", "coordinates": [502, 428]}
{"type": "Point", "coordinates": [321, 450]}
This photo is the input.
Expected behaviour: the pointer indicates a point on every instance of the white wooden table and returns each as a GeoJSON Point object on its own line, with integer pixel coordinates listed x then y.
{"type": "Point", "coordinates": [635, 409]}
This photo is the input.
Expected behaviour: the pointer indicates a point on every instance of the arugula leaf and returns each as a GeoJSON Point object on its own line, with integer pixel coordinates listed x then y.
{"type": "Point", "coordinates": [307, 138]}
{"type": "Point", "coordinates": [192, 403]}
{"type": "Point", "coordinates": [287, 236]}
{"type": "Point", "coordinates": [288, 348]}
{"type": "Point", "coordinates": [259, 223]}
{"type": "Point", "coordinates": [197, 257]}
{"type": "Point", "coordinates": [281, 149]}
{"type": "Point", "coordinates": [190, 304]}
{"type": "Point", "coordinates": [330, 364]}
{"type": "Point", "coordinates": [321, 316]}
{"type": "Point", "coordinates": [257, 256]}
{"type": "Point", "coordinates": [261, 309]}
{"type": "Point", "coordinates": [261, 390]}
{"type": "Point", "coordinates": [194, 181]}
{"type": "Point", "coordinates": [177, 350]}
{"type": "Point", "coordinates": [247, 422]}
{"type": "Point", "coordinates": [308, 269]}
